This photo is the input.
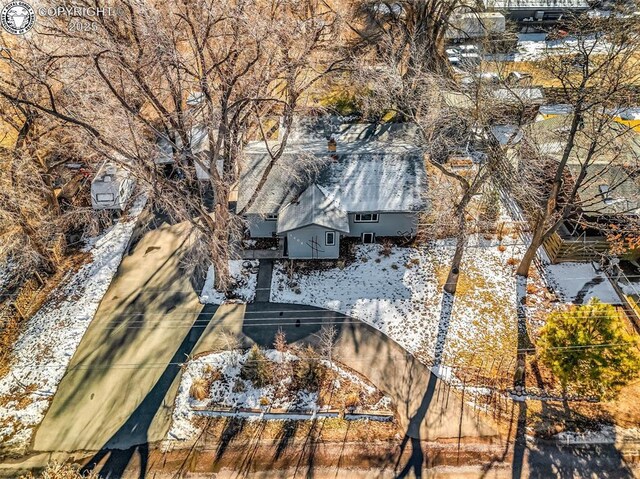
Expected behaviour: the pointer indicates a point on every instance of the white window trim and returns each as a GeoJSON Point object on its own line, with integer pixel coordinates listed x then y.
{"type": "Point", "coordinates": [271, 218]}
{"type": "Point", "coordinates": [375, 217]}
{"type": "Point", "coordinates": [326, 240]}
{"type": "Point", "coordinates": [373, 237]}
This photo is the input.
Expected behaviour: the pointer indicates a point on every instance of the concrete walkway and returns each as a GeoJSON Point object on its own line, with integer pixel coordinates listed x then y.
{"type": "Point", "coordinates": [263, 289]}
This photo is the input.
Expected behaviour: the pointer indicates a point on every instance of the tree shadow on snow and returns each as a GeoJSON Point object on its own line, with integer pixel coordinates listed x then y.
{"type": "Point", "coordinates": [418, 459]}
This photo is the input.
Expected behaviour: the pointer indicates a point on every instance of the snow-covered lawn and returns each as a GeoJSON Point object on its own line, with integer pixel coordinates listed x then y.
{"type": "Point", "coordinates": [402, 296]}
{"type": "Point", "coordinates": [51, 336]}
{"type": "Point", "coordinates": [244, 275]}
{"type": "Point", "coordinates": [221, 372]}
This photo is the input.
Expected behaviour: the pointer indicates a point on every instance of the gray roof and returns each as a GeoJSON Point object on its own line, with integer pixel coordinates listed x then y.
{"type": "Point", "coordinates": [614, 167]}
{"type": "Point", "coordinates": [313, 207]}
{"type": "Point", "coordinates": [363, 176]}
{"type": "Point", "coordinates": [609, 190]}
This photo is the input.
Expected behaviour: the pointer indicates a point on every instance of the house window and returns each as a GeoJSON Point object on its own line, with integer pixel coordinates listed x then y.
{"type": "Point", "coordinates": [606, 194]}
{"type": "Point", "coordinates": [368, 238]}
{"type": "Point", "coordinates": [366, 218]}
{"type": "Point", "coordinates": [104, 197]}
{"type": "Point", "coordinates": [330, 238]}
{"type": "Point", "coordinates": [271, 218]}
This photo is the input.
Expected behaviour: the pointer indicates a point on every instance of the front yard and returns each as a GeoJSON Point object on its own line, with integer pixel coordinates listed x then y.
{"type": "Point", "coordinates": [292, 383]}
{"type": "Point", "coordinates": [399, 291]}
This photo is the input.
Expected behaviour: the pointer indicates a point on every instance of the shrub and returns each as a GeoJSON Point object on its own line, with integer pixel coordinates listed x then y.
{"type": "Point", "coordinates": [352, 400]}
{"type": "Point", "coordinates": [387, 248]}
{"type": "Point", "coordinates": [199, 389]}
{"type": "Point", "coordinates": [256, 368]}
{"type": "Point", "coordinates": [280, 341]}
{"type": "Point", "coordinates": [307, 371]}
{"type": "Point", "coordinates": [490, 206]}
{"type": "Point", "coordinates": [588, 348]}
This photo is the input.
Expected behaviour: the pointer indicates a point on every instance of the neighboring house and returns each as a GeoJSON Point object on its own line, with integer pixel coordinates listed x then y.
{"type": "Point", "coordinates": [471, 25]}
{"type": "Point", "coordinates": [537, 11]}
{"type": "Point", "coordinates": [609, 193]}
{"type": "Point", "coordinates": [514, 103]}
{"type": "Point", "coordinates": [372, 186]}
{"type": "Point", "coordinates": [111, 188]}
{"type": "Point", "coordinates": [199, 141]}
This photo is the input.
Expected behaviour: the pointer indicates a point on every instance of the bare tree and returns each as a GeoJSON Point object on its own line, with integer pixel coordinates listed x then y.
{"type": "Point", "coordinates": [326, 339]}
{"type": "Point", "coordinates": [453, 124]}
{"type": "Point", "coordinates": [411, 33]}
{"type": "Point", "coordinates": [237, 62]}
{"type": "Point", "coordinates": [597, 73]}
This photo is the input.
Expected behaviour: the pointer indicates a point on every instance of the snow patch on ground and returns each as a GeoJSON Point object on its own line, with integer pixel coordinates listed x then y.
{"type": "Point", "coordinates": [536, 46]}
{"type": "Point", "coordinates": [579, 282]}
{"type": "Point", "coordinates": [225, 392]}
{"type": "Point", "coordinates": [245, 276]}
{"type": "Point", "coordinates": [6, 272]}
{"type": "Point", "coordinates": [51, 336]}
{"type": "Point", "coordinates": [606, 435]}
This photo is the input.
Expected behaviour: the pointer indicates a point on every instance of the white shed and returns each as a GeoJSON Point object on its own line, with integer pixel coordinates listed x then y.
{"type": "Point", "coordinates": [111, 188]}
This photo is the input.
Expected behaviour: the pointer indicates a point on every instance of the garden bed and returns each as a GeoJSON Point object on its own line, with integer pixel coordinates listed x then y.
{"type": "Point", "coordinates": [289, 383]}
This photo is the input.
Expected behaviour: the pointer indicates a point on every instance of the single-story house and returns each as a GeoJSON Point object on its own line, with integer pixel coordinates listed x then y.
{"type": "Point", "coordinates": [372, 185]}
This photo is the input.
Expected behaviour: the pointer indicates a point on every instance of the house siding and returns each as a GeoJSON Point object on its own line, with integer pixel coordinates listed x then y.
{"type": "Point", "coordinates": [300, 243]}
{"type": "Point", "coordinates": [389, 224]}
{"type": "Point", "coordinates": [261, 228]}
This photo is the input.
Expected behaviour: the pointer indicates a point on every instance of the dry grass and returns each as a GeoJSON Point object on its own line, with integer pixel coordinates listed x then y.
{"type": "Point", "coordinates": [199, 389]}
{"type": "Point", "coordinates": [57, 470]}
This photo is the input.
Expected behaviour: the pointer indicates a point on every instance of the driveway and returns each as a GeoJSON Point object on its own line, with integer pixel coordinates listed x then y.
{"type": "Point", "coordinates": [119, 389]}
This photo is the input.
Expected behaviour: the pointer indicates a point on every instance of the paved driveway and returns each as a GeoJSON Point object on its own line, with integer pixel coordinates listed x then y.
{"type": "Point", "coordinates": [122, 380]}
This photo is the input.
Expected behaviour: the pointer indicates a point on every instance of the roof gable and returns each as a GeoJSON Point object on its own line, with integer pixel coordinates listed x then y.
{"type": "Point", "coordinates": [313, 207]}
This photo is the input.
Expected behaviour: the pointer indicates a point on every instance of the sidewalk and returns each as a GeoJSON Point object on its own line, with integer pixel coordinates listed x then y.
{"type": "Point", "coordinates": [263, 289]}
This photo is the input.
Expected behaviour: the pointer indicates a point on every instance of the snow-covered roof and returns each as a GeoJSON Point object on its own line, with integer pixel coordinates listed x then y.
{"type": "Point", "coordinates": [313, 207]}
{"type": "Point", "coordinates": [506, 134]}
{"type": "Point", "coordinates": [364, 174]}
{"type": "Point", "coordinates": [518, 94]}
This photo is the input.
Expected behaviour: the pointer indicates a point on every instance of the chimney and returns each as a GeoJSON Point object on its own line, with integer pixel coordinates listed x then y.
{"type": "Point", "coordinates": [331, 145]}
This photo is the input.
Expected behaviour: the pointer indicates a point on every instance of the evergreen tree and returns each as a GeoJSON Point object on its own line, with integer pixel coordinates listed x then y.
{"type": "Point", "coordinates": [256, 368]}
{"type": "Point", "coordinates": [588, 348]}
